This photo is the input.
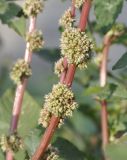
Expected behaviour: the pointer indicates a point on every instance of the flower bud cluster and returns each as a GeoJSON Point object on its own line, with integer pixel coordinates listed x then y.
{"type": "Point", "coordinates": [12, 142]}
{"type": "Point", "coordinates": [60, 102]}
{"type": "Point", "coordinates": [66, 20]}
{"type": "Point", "coordinates": [35, 40]}
{"type": "Point", "coordinates": [59, 66]}
{"type": "Point", "coordinates": [20, 69]}
{"type": "Point", "coordinates": [76, 46]}
{"type": "Point", "coordinates": [33, 7]}
{"type": "Point", "coordinates": [79, 3]}
{"type": "Point", "coordinates": [52, 153]}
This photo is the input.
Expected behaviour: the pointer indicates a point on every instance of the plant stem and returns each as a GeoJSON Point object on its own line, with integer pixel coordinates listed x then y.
{"type": "Point", "coordinates": [103, 66]}
{"type": "Point", "coordinates": [103, 79]}
{"type": "Point", "coordinates": [68, 81]}
{"type": "Point", "coordinates": [63, 74]}
{"type": "Point", "coordinates": [20, 90]}
{"type": "Point", "coordinates": [104, 123]}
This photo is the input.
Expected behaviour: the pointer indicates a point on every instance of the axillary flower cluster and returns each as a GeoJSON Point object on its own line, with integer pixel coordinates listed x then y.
{"type": "Point", "coordinates": [13, 142]}
{"type": "Point", "coordinates": [60, 102]}
{"type": "Point", "coordinates": [34, 40]}
{"type": "Point", "coordinates": [51, 153]}
{"type": "Point", "coordinates": [20, 69]}
{"type": "Point", "coordinates": [76, 47]}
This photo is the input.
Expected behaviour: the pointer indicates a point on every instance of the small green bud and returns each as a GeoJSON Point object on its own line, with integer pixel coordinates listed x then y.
{"type": "Point", "coordinates": [66, 20]}
{"type": "Point", "coordinates": [33, 7]}
{"type": "Point", "coordinates": [19, 70]}
{"type": "Point", "coordinates": [12, 142]}
{"type": "Point", "coordinates": [76, 46]}
{"type": "Point", "coordinates": [35, 40]}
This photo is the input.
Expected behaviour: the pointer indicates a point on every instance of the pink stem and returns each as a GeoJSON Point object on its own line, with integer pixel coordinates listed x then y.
{"type": "Point", "coordinates": [20, 91]}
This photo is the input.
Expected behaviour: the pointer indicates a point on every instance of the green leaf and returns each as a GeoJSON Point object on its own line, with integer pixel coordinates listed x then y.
{"type": "Point", "coordinates": [104, 93]}
{"type": "Point", "coordinates": [11, 12]}
{"type": "Point", "coordinates": [3, 6]}
{"type": "Point", "coordinates": [121, 63]}
{"type": "Point", "coordinates": [83, 124]}
{"type": "Point", "coordinates": [29, 113]}
{"type": "Point", "coordinates": [106, 12]}
{"type": "Point", "coordinates": [50, 55]}
{"type": "Point", "coordinates": [10, 17]}
{"type": "Point", "coordinates": [2, 155]}
{"type": "Point", "coordinates": [32, 141]}
{"type": "Point", "coordinates": [67, 150]}
{"type": "Point", "coordinates": [19, 25]}
{"type": "Point", "coordinates": [117, 150]}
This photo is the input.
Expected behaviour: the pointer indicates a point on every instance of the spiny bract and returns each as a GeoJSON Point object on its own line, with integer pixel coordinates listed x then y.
{"type": "Point", "coordinates": [76, 46]}
{"type": "Point", "coordinates": [66, 20]}
{"type": "Point", "coordinates": [35, 40]}
{"type": "Point", "coordinates": [20, 69]}
{"type": "Point", "coordinates": [33, 7]}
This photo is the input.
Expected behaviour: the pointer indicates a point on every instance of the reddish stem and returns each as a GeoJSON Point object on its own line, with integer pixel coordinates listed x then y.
{"type": "Point", "coordinates": [73, 8]}
{"type": "Point", "coordinates": [68, 81]}
{"type": "Point", "coordinates": [46, 138]}
{"type": "Point", "coordinates": [20, 91]}
{"type": "Point", "coordinates": [84, 15]}
{"type": "Point", "coordinates": [70, 75]}
{"type": "Point", "coordinates": [103, 79]}
{"type": "Point", "coordinates": [104, 123]}
{"type": "Point", "coordinates": [63, 74]}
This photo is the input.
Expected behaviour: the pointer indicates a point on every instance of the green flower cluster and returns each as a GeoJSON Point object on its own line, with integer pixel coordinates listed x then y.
{"type": "Point", "coordinates": [59, 67]}
{"type": "Point", "coordinates": [12, 142]}
{"type": "Point", "coordinates": [45, 117]}
{"type": "Point", "coordinates": [76, 46]}
{"type": "Point", "coordinates": [79, 3]}
{"type": "Point", "coordinates": [35, 40]}
{"type": "Point", "coordinates": [60, 102]}
{"type": "Point", "coordinates": [33, 7]}
{"type": "Point", "coordinates": [20, 69]}
{"type": "Point", "coordinates": [51, 154]}
{"type": "Point", "coordinates": [66, 20]}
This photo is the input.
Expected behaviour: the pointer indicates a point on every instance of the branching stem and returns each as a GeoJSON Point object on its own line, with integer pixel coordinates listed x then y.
{"type": "Point", "coordinates": [68, 81]}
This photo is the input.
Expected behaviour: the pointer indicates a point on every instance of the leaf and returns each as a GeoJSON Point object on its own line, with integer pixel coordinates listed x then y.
{"type": "Point", "coordinates": [104, 93]}
{"type": "Point", "coordinates": [10, 13]}
{"type": "Point", "coordinates": [117, 150]}
{"type": "Point", "coordinates": [67, 150]}
{"type": "Point", "coordinates": [19, 25]}
{"type": "Point", "coordinates": [32, 140]}
{"type": "Point", "coordinates": [10, 17]}
{"type": "Point", "coordinates": [3, 6]}
{"type": "Point", "coordinates": [2, 155]}
{"type": "Point", "coordinates": [29, 113]}
{"type": "Point", "coordinates": [106, 12]}
{"type": "Point", "coordinates": [50, 55]}
{"type": "Point", "coordinates": [83, 124]}
{"type": "Point", "coordinates": [121, 63]}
